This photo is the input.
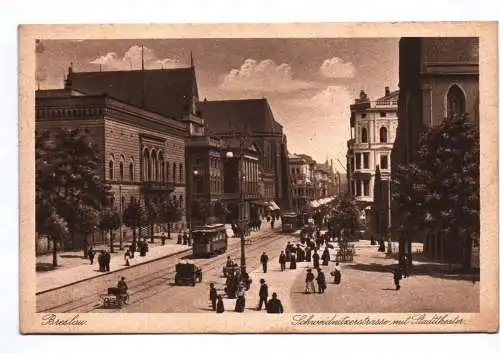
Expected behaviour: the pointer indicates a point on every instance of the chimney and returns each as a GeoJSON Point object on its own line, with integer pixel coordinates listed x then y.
{"type": "Point", "coordinates": [387, 91]}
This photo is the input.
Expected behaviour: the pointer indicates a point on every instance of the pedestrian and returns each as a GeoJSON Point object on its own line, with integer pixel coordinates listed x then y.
{"type": "Point", "coordinates": [272, 223]}
{"type": "Point", "coordinates": [220, 305]}
{"type": "Point", "coordinates": [263, 294]}
{"type": "Point", "coordinates": [213, 296]}
{"type": "Point", "coordinates": [325, 256]}
{"type": "Point", "coordinates": [132, 250]}
{"type": "Point", "coordinates": [263, 260]}
{"type": "Point", "coordinates": [282, 260]}
{"type": "Point", "coordinates": [91, 255]}
{"type": "Point", "coordinates": [107, 261]}
{"type": "Point", "coordinates": [163, 238]}
{"type": "Point", "coordinates": [274, 305]}
{"type": "Point", "coordinates": [259, 223]}
{"type": "Point", "coordinates": [336, 274]}
{"type": "Point", "coordinates": [310, 282]}
{"type": "Point", "coordinates": [406, 262]}
{"type": "Point", "coordinates": [240, 299]}
{"type": "Point", "coordinates": [397, 277]}
{"type": "Point", "coordinates": [293, 262]}
{"type": "Point", "coordinates": [321, 281]}
{"type": "Point", "coordinates": [308, 254]}
{"type": "Point", "coordinates": [100, 261]}
{"type": "Point", "coordinates": [126, 256]}
{"type": "Point", "coordinates": [315, 259]}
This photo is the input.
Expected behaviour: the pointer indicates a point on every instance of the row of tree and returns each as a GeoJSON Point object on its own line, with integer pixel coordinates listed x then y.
{"type": "Point", "coordinates": [73, 199]}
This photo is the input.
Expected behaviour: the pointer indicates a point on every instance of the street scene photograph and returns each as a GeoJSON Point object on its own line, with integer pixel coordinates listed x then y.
{"type": "Point", "coordinates": [257, 176]}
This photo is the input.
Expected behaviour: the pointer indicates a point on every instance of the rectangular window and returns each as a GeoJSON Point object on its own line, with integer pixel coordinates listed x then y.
{"type": "Point", "coordinates": [366, 160]}
{"type": "Point", "coordinates": [358, 187]}
{"type": "Point", "coordinates": [358, 160]}
{"type": "Point", "coordinates": [366, 187]}
{"type": "Point", "coordinates": [384, 164]}
{"type": "Point", "coordinates": [352, 187]}
{"type": "Point", "coordinates": [352, 165]}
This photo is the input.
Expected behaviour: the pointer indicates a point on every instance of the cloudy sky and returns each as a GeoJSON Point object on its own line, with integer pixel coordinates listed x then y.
{"type": "Point", "coordinates": [309, 82]}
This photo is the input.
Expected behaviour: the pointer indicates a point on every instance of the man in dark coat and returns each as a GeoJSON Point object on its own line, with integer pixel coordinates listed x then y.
{"type": "Point", "coordinates": [220, 305]}
{"type": "Point", "coordinates": [263, 260]}
{"type": "Point", "coordinates": [321, 281]}
{"type": "Point", "coordinates": [91, 255]}
{"type": "Point", "coordinates": [315, 259]}
{"type": "Point", "coordinates": [213, 296]}
{"type": "Point", "coordinates": [325, 256]}
{"type": "Point", "coordinates": [100, 261]}
{"type": "Point", "coordinates": [263, 294]}
{"type": "Point", "coordinates": [274, 305]}
{"type": "Point", "coordinates": [259, 223]}
{"type": "Point", "coordinates": [282, 260]}
{"type": "Point", "coordinates": [107, 261]}
{"type": "Point", "coordinates": [293, 262]}
{"type": "Point", "coordinates": [397, 277]}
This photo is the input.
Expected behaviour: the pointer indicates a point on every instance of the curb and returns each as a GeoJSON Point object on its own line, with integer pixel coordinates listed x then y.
{"type": "Point", "coordinates": [112, 272]}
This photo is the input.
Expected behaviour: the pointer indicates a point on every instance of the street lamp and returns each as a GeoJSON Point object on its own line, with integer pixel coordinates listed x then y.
{"type": "Point", "coordinates": [242, 226]}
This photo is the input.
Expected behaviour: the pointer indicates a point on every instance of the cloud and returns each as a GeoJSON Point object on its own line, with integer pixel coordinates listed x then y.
{"type": "Point", "coordinates": [337, 68]}
{"type": "Point", "coordinates": [132, 59]}
{"type": "Point", "coordinates": [263, 76]}
{"type": "Point", "coordinates": [317, 125]}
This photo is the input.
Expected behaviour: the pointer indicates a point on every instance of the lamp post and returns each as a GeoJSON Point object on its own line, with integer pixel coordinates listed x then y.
{"type": "Point", "coordinates": [196, 173]}
{"type": "Point", "coordinates": [241, 179]}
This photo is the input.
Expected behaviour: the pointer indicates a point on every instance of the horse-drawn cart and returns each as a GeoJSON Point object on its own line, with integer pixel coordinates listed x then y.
{"type": "Point", "coordinates": [115, 298]}
{"type": "Point", "coordinates": [187, 274]}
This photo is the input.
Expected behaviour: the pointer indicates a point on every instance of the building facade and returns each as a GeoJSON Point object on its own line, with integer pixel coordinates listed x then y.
{"type": "Point", "coordinates": [373, 131]}
{"type": "Point", "coordinates": [253, 118]}
{"type": "Point", "coordinates": [142, 152]}
{"type": "Point", "coordinates": [301, 172]}
{"type": "Point", "coordinates": [438, 77]}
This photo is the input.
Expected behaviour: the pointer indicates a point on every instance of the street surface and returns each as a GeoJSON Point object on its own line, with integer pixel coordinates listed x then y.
{"type": "Point", "coordinates": [366, 286]}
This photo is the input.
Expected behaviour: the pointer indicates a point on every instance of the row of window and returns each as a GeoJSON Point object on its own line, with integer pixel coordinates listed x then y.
{"type": "Point", "coordinates": [382, 135]}
{"type": "Point", "coordinates": [360, 187]}
{"type": "Point", "coordinates": [365, 158]}
{"type": "Point", "coordinates": [154, 170]}
{"type": "Point", "coordinates": [177, 201]}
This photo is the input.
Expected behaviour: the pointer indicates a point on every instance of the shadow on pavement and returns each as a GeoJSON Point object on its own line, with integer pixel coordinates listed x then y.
{"type": "Point", "coordinates": [46, 266]}
{"type": "Point", "coordinates": [72, 256]}
{"type": "Point", "coordinates": [428, 269]}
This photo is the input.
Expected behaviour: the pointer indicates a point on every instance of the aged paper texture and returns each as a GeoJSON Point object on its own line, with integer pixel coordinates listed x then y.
{"type": "Point", "coordinates": [163, 159]}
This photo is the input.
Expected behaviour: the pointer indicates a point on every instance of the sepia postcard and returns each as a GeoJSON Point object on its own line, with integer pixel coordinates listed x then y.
{"type": "Point", "coordinates": [259, 178]}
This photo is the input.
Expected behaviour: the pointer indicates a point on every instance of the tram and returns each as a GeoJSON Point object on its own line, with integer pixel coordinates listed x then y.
{"type": "Point", "coordinates": [209, 240]}
{"type": "Point", "coordinates": [289, 222]}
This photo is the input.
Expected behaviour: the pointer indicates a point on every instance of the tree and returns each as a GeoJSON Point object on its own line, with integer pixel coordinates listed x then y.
{"type": "Point", "coordinates": [169, 213]}
{"type": "Point", "coordinates": [439, 193]}
{"type": "Point", "coordinates": [110, 221]}
{"type": "Point", "coordinates": [134, 217]}
{"type": "Point", "coordinates": [345, 218]}
{"type": "Point", "coordinates": [152, 216]}
{"type": "Point", "coordinates": [68, 182]}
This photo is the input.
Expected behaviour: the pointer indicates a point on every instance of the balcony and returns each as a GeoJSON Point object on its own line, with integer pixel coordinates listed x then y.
{"type": "Point", "coordinates": [157, 186]}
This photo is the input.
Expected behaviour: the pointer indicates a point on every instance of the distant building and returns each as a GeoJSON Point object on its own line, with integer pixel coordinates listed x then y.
{"type": "Point", "coordinates": [254, 119]}
{"type": "Point", "coordinates": [373, 131]}
{"type": "Point", "coordinates": [438, 77]}
{"type": "Point", "coordinates": [301, 173]}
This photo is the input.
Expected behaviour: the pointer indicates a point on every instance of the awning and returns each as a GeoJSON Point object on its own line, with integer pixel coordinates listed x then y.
{"type": "Point", "coordinates": [314, 204]}
{"type": "Point", "coordinates": [259, 203]}
{"type": "Point", "coordinates": [272, 206]}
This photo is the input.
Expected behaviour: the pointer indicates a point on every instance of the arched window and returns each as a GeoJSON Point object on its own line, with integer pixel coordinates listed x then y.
{"type": "Point", "coordinates": [364, 135]}
{"type": "Point", "coordinates": [455, 101]}
{"type": "Point", "coordinates": [162, 167]}
{"type": "Point", "coordinates": [131, 170]}
{"type": "Point", "coordinates": [146, 165]}
{"type": "Point", "coordinates": [174, 170]}
{"type": "Point", "coordinates": [167, 171]}
{"type": "Point", "coordinates": [122, 162]}
{"type": "Point", "coordinates": [383, 134]}
{"type": "Point", "coordinates": [180, 173]}
{"type": "Point", "coordinates": [111, 167]}
{"type": "Point", "coordinates": [154, 165]}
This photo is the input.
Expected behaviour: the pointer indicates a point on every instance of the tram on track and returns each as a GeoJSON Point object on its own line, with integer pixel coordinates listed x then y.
{"type": "Point", "coordinates": [209, 240]}
{"type": "Point", "coordinates": [289, 222]}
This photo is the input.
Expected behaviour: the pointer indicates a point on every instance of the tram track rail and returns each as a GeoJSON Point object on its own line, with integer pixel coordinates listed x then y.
{"type": "Point", "coordinates": [142, 284]}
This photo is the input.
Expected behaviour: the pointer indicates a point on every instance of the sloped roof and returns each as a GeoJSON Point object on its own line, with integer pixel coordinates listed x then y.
{"type": "Point", "coordinates": [166, 91]}
{"type": "Point", "coordinates": [245, 115]}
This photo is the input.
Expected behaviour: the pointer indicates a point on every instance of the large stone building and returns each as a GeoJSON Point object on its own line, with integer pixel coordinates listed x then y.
{"type": "Point", "coordinates": [438, 77]}
{"type": "Point", "coordinates": [301, 171]}
{"type": "Point", "coordinates": [373, 131]}
{"type": "Point", "coordinates": [253, 118]}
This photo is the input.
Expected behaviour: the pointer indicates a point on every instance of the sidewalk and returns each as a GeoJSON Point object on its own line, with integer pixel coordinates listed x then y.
{"type": "Point", "coordinates": [74, 268]}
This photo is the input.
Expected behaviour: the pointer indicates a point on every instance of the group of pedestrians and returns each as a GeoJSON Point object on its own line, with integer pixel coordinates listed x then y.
{"type": "Point", "coordinates": [103, 259]}
{"type": "Point", "coordinates": [272, 306]}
